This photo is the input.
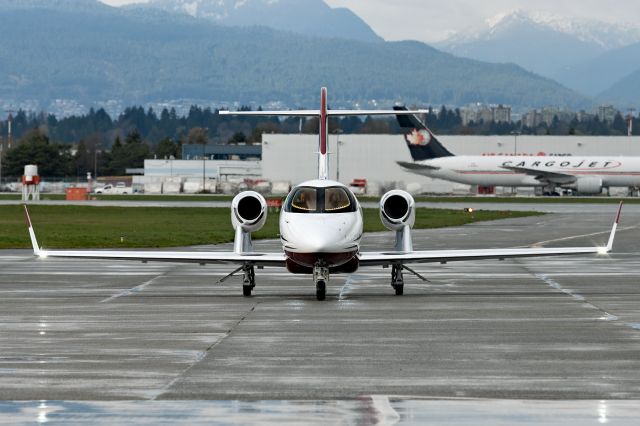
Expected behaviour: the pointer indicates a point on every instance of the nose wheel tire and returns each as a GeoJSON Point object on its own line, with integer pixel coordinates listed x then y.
{"type": "Point", "coordinates": [321, 290]}
{"type": "Point", "coordinates": [399, 288]}
{"type": "Point", "coordinates": [246, 290]}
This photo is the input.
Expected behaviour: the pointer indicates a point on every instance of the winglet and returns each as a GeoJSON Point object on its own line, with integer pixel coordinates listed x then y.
{"type": "Point", "coordinates": [613, 228]}
{"type": "Point", "coordinates": [32, 234]}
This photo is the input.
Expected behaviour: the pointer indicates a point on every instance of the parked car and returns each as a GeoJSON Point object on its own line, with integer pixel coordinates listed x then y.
{"type": "Point", "coordinates": [119, 188]}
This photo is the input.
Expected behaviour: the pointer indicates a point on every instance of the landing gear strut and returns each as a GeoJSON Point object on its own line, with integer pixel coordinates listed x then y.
{"type": "Point", "coordinates": [320, 278]}
{"type": "Point", "coordinates": [397, 280]}
{"type": "Point", "coordinates": [248, 281]}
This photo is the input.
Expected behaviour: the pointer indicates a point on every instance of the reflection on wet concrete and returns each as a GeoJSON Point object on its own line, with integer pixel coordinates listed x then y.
{"type": "Point", "coordinates": [370, 410]}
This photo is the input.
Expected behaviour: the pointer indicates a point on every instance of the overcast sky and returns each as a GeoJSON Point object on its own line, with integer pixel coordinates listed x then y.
{"type": "Point", "coordinates": [434, 20]}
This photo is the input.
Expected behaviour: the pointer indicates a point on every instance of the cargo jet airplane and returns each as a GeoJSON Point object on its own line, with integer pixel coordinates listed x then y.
{"type": "Point", "coordinates": [585, 175]}
{"type": "Point", "coordinates": [320, 229]}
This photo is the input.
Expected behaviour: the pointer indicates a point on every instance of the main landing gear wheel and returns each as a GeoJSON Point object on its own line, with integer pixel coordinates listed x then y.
{"type": "Point", "coordinates": [321, 290]}
{"type": "Point", "coordinates": [248, 281]}
{"type": "Point", "coordinates": [397, 280]}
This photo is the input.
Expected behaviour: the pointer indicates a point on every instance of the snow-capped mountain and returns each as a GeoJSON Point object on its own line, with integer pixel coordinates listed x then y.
{"type": "Point", "coordinates": [607, 36]}
{"type": "Point", "coordinates": [587, 56]}
{"type": "Point", "coordinates": [308, 17]}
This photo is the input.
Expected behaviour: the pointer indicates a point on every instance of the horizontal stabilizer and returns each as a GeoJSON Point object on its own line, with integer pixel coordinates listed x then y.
{"type": "Point", "coordinates": [415, 167]}
{"type": "Point", "coordinates": [330, 113]}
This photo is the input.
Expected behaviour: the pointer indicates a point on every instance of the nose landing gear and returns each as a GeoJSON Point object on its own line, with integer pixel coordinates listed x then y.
{"type": "Point", "coordinates": [320, 278]}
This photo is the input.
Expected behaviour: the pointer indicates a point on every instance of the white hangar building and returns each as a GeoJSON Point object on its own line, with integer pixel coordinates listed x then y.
{"type": "Point", "coordinates": [292, 158]}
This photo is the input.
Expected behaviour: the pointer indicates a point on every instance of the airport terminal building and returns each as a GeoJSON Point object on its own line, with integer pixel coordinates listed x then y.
{"type": "Point", "coordinates": [292, 159]}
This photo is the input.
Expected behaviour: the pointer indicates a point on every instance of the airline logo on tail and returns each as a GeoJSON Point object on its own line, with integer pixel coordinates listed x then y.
{"type": "Point", "coordinates": [418, 137]}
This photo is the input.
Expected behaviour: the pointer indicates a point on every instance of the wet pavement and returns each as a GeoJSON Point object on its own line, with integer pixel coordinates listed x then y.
{"type": "Point", "coordinates": [375, 410]}
{"type": "Point", "coordinates": [550, 334]}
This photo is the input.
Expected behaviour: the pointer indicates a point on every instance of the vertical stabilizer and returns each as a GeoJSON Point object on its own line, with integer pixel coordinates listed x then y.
{"type": "Point", "coordinates": [422, 144]}
{"type": "Point", "coordinates": [323, 162]}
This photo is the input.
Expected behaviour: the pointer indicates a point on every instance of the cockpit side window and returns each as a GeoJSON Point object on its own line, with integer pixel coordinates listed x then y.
{"type": "Point", "coordinates": [304, 200]}
{"type": "Point", "coordinates": [336, 200]}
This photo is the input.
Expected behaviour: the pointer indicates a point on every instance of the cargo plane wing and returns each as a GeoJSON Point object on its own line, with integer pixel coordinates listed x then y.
{"type": "Point", "coordinates": [321, 227]}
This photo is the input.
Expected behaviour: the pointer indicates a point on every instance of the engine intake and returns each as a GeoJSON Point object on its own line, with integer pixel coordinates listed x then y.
{"type": "Point", "coordinates": [397, 210]}
{"type": "Point", "coordinates": [248, 211]}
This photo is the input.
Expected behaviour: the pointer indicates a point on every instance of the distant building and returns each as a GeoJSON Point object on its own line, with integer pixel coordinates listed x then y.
{"type": "Point", "coordinates": [485, 113]}
{"type": "Point", "coordinates": [535, 118]}
{"type": "Point", "coordinates": [582, 115]}
{"type": "Point", "coordinates": [222, 152]}
{"type": "Point", "coordinates": [532, 118]}
{"type": "Point", "coordinates": [502, 114]}
{"type": "Point", "coordinates": [607, 113]}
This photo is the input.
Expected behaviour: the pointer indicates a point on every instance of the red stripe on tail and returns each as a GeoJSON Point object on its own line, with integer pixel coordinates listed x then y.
{"type": "Point", "coordinates": [323, 121]}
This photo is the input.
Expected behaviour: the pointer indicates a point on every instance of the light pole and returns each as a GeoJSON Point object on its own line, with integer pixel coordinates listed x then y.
{"type": "Point", "coordinates": [515, 134]}
{"type": "Point", "coordinates": [204, 143]}
{"type": "Point", "coordinates": [338, 132]}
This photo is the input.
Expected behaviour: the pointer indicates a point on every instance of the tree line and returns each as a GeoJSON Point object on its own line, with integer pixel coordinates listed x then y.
{"type": "Point", "coordinates": [70, 147]}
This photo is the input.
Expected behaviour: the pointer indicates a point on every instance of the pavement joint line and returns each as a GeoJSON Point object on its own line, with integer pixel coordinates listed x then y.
{"type": "Point", "coordinates": [541, 243]}
{"type": "Point", "coordinates": [578, 297]}
{"type": "Point", "coordinates": [203, 355]}
{"type": "Point", "coordinates": [139, 288]}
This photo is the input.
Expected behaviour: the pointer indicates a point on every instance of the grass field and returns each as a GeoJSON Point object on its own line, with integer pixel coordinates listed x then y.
{"type": "Point", "coordinates": [118, 227]}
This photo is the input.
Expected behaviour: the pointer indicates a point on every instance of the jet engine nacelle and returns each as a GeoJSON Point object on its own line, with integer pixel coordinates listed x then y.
{"type": "Point", "coordinates": [397, 210]}
{"type": "Point", "coordinates": [589, 185]}
{"type": "Point", "coordinates": [248, 211]}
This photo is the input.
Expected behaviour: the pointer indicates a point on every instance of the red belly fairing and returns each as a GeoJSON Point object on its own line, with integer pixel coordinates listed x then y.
{"type": "Point", "coordinates": [309, 260]}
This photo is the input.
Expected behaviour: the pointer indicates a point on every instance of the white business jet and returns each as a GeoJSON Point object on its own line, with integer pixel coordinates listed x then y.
{"type": "Point", "coordinates": [320, 229]}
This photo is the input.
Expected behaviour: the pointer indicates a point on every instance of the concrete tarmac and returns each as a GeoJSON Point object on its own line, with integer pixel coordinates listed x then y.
{"type": "Point", "coordinates": [564, 328]}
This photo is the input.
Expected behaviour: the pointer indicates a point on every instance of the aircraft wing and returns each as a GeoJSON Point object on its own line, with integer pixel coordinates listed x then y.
{"type": "Point", "coordinates": [555, 177]}
{"type": "Point", "coordinates": [444, 256]}
{"type": "Point", "coordinates": [254, 258]}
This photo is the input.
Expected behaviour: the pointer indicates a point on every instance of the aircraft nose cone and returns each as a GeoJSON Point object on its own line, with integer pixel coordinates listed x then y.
{"type": "Point", "coordinates": [317, 236]}
{"type": "Point", "coordinates": [315, 239]}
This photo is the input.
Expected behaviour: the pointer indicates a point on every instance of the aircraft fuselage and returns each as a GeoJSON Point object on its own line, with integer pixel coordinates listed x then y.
{"type": "Point", "coordinates": [321, 233]}
{"type": "Point", "coordinates": [494, 171]}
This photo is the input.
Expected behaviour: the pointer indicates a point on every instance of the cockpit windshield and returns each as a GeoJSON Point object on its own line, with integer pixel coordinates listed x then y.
{"type": "Point", "coordinates": [334, 199]}
{"type": "Point", "coordinates": [305, 200]}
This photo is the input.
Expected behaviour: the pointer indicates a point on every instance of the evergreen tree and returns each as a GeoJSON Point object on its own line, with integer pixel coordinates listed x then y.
{"type": "Point", "coordinates": [167, 148]}
{"type": "Point", "coordinates": [53, 160]}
